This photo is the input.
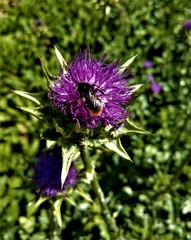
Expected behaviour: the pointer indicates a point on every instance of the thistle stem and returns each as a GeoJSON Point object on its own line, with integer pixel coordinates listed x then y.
{"type": "Point", "coordinates": [110, 222]}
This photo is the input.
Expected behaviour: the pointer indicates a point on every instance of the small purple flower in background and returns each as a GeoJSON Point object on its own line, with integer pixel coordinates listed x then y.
{"type": "Point", "coordinates": [150, 77]}
{"type": "Point", "coordinates": [92, 92]}
{"type": "Point", "coordinates": [148, 64]}
{"type": "Point", "coordinates": [187, 25]}
{"type": "Point", "coordinates": [156, 87]}
{"type": "Point", "coordinates": [47, 173]}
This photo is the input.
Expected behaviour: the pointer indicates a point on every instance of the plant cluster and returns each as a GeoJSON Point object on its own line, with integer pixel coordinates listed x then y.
{"type": "Point", "coordinates": [149, 198]}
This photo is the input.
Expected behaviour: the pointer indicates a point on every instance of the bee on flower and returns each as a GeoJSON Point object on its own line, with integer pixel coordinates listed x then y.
{"type": "Point", "coordinates": [92, 92]}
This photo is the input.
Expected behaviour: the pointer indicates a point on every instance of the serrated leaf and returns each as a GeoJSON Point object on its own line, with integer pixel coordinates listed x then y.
{"type": "Point", "coordinates": [127, 63]}
{"type": "Point", "coordinates": [132, 128]}
{"type": "Point", "coordinates": [34, 97]}
{"type": "Point", "coordinates": [98, 143]}
{"type": "Point", "coordinates": [68, 154]}
{"type": "Point", "coordinates": [60, 58]}
{"type": "Point", "coordinates": [57, 205]}
{"type": "Point", "coordinates": [117, 147]}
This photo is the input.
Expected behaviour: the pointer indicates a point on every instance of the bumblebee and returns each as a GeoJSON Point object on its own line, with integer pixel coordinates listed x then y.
{"type": "Point", "coordinates": [93, 103]}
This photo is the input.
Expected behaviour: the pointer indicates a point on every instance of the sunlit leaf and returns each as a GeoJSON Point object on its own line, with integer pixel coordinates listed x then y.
{"type": "Point", "coordinates": [136, 87]}
{"type": "Point", "coordinates": [132, 128]}
{"type": "Point", "coordinates": [70, 200]}
{"type": "Point", "coordinates": [34, 111]}
{"type": "Point", "coordinates": [69, 153]}
{"type": "Point", "coordinates": [117, 147]}
{"type": "Point", "coordinates": [60, 58]}
{"type": "Point", "coordinates": [40, 201]}
{"type": "Point", "coordinates": [34, 97]}
{"type": "Point", "coordinates": [57, 207]}
{"type": "Point", "coordinates": [84, 195]}
{"type": "Point", "coordinates": [48, 75]}
{"type": "Point", "coordinates": [127, 63]}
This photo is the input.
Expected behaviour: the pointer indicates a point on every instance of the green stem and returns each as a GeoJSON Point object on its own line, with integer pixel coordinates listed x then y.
{"type": "Point", "coordinates": [110, 222]}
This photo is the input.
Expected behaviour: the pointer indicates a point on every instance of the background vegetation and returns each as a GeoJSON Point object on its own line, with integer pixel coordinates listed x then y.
{"type": "Point", "coordinates": [151, 197]}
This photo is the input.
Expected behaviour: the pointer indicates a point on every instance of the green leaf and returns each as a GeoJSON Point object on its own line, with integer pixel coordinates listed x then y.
{"type": "Point", "coordinates": [127, 63]}
{"type": "Point", "coordinates": [58, 128]}
{"type": "Point", "coordinates": [57, 205]}
{"type": "Point", "coordinates": [84, 195]}
{"type": "Point", "coordinates": [65, 131]}
{"type": "Point", "coordinates": [34, 97]}
{"type": "Point", "coordinates": [34, 111]}
{"type": "Point", "coordinates": [60, 58]}
{"type": "Point", "coordinates": [71, 201]}
{"type": "Point", "coordinates": [40, 201]}
{"type": "Point", "coordinates": [117, 147]}
{"type": "Point", "coordinates": [132, 128]}
{"type": "Point", "coordinates": [48, 75]}
{"type": "Point", "coordinates": [96, 143]}
{"type": "Point", "coordinates": [69, 152]}
{"type": "Point", "coordinates": [136, 87]}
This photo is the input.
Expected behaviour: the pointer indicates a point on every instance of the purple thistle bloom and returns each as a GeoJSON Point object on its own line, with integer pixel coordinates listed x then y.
{"type": "Point", "coordinates": [156, 87]}
{"type": "Point", "coordinates": [148, 64]}
{"type": "Point", "coordinates": [47, 173]}
{"type": "Point", "coordinates": [187, 25]}
{"type": "Point", "coordinates": [92, 92]}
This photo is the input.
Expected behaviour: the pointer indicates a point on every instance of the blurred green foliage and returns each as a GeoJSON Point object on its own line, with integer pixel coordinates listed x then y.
{"type": "Point", "coordinates": [150, 198]}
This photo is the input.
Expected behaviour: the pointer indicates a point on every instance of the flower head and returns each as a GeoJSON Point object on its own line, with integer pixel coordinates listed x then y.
{"type": "Point", "coordinates": [47, 173]}
{"type": "Point", "coordinates": [92, 92]}
{"type": "Point", "coordinates": [156, 87]}
{"type": "Point", "coordinates": [148, 64]}
{"type": "Point", "coordinates": [187, 25]}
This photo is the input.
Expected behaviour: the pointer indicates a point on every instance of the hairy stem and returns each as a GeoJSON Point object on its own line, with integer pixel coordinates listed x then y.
{"type": "Point", "coordinates": [110, 222]}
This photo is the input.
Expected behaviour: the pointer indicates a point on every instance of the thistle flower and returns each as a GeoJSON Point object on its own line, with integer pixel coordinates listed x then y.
{"type": "Point", "coordinates": [187, 25]}
{"type": "Point", "coordinates": [156, 87]}
{"type": "Point", "coordinates": [92, 92]}
{"type": "Point", "coordinates": [148, 64]}
{"type": "Point", "coordinates": [47, 173]}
